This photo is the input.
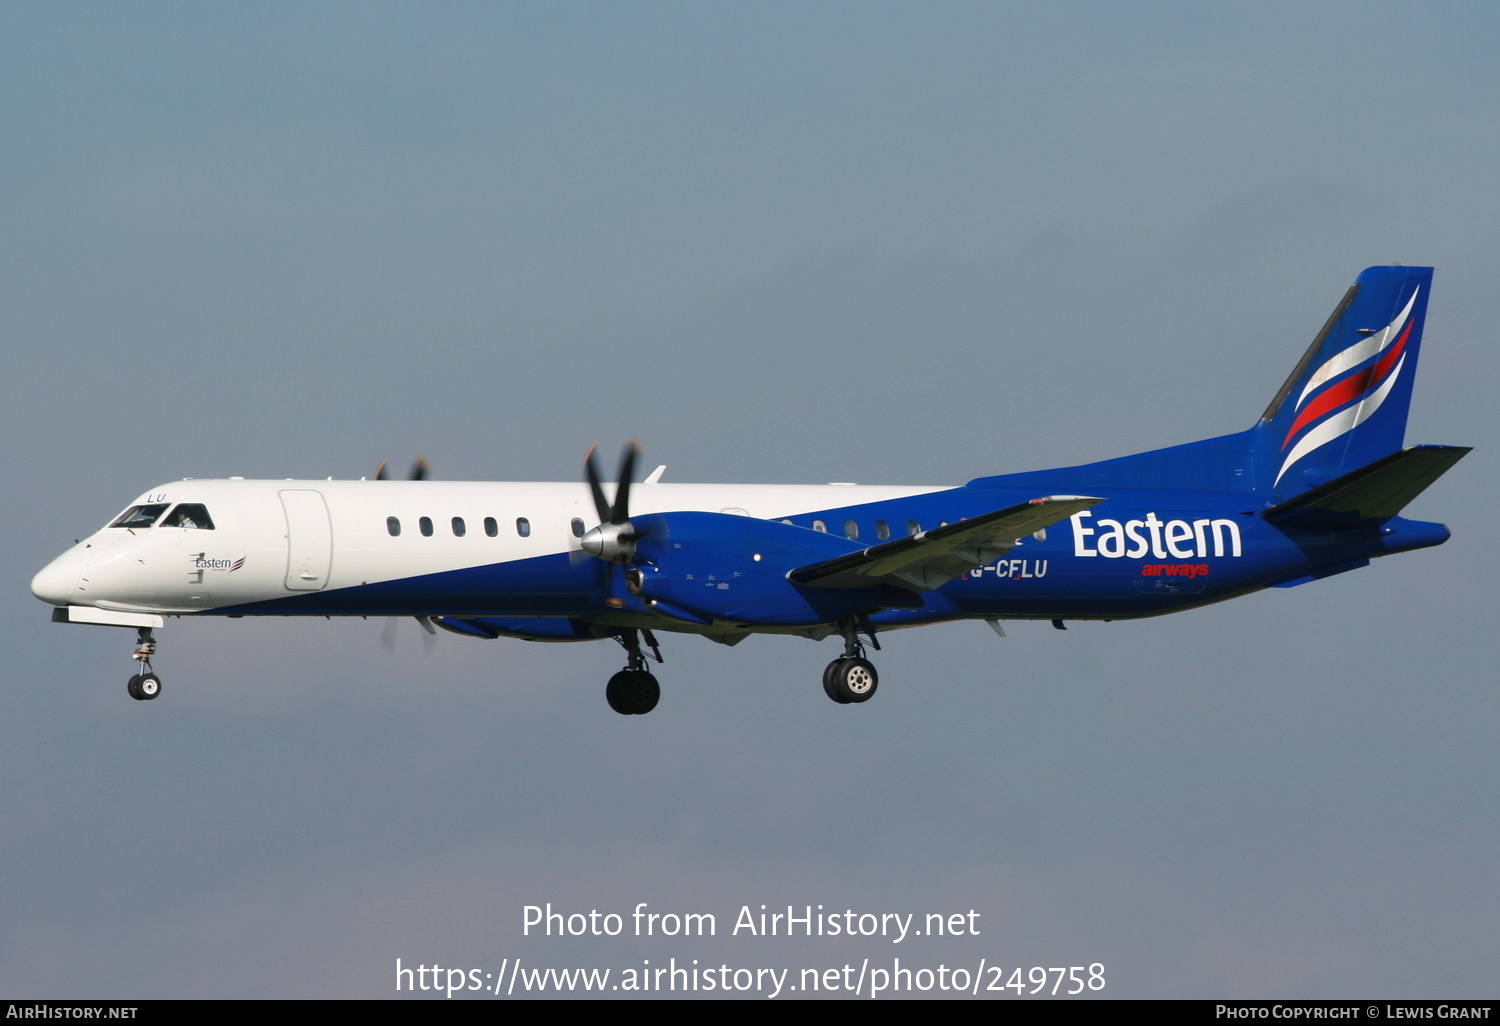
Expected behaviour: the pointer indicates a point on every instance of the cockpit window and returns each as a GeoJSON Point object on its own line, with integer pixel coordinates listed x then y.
{"type": "Point", "coordinates": [140, 516]}
{"type": "Point", "coordinates": [189, 514]}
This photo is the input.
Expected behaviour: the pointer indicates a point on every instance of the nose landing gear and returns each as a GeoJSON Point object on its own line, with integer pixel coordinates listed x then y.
{"type": "Point", "coordinates": [144, 686]}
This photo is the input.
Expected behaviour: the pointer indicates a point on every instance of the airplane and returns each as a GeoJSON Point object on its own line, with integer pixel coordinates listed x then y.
{"type": "Point", "coordinates": [1312, 489]}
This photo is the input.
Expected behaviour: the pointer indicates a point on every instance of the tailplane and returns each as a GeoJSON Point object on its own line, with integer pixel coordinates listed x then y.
{"type": "Point", "coordinates": [1372, 494]}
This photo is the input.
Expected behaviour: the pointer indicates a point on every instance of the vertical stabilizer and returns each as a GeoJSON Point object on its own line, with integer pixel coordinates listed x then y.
{"type": "Point", "coordinates": [1345, 404]}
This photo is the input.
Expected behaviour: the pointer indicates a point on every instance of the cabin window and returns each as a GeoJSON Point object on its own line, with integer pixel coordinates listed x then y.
{"type": "Point", "coordinates": [140, 516]}
{"type": "Point", "coordinates": [913, 528]}
{"type": "Point", "coordinates": [425, 525]}
{"type": "Point", "coordinates": [577, 528]}
{"type": "Point", "coordinates": [393, 526]}
{"type": "Point", "coordinates": [882, 530]}
{"type": "Point", "coordinates": [190, 515]}
{"type": "Point", "coordinates": [819, 526]}
{"type": "Point", "coordinates": [851, 530]}
{"type": "Point", "coordinates": [523, 527]}
{"type": "Point", "coordinates": [491, 527]}
{"type": "Point", "coordinates": [458, 527]}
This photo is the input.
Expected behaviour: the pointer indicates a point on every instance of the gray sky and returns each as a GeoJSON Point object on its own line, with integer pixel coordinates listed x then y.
{"type": "Point", "coordinates": [777, 242]}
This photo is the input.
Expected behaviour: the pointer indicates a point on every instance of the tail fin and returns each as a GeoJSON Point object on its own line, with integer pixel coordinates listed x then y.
{"type": "Point", "coordinates": [1345, 404]}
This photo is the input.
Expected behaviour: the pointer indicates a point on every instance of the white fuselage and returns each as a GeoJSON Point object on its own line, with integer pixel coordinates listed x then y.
{"type": "Point", "coordinates": [274, 539]}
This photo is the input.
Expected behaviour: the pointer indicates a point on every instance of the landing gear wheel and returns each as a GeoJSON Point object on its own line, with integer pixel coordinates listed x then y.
{"type": "Point", "coordinates": [830, 675]}
{"type": "Point", "coordinates": [854, 680]}
{"type": "Point", "coordinates": [632, 692]}
{"type": "Point", "coordinates": [144, 686]}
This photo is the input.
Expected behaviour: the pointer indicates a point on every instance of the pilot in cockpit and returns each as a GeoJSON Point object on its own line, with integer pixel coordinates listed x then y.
{"type": "Point", "coordinates": [189, 514]}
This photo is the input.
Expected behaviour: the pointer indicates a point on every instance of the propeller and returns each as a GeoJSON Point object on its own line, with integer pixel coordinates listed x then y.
{"type": "Point", "coordinates": [614, 539]}
{"type": "Point", "coordinates": [420, 470]}
{"type": "Point", "coordinates": [389, 631]}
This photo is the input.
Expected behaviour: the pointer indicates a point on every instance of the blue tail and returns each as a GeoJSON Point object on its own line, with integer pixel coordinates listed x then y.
{"type": "Point", "coordinates": [1343, 407]}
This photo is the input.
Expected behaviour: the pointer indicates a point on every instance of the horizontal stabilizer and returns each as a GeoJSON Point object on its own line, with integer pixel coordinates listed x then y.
{"type": "Point", "coordinates": [931, 559]}
{"type": "Point", "coordinates": [1376, 491]}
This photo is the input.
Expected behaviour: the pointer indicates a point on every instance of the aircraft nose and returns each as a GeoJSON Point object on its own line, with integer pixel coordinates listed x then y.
{"type": "Point", "coordinates": [58, 581]}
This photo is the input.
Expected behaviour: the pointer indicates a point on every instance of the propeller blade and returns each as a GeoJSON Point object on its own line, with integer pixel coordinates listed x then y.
{"type": "Point", "coordinates": [591, 474]}
{"type": "Point", "coordinates": [420, 470]}
{"type": "Point", "coordinates": [621, 511]}
{"type": "Point", "coordinates": [429, 637]}
{"type": "Point", "coordinates": [392, 629]}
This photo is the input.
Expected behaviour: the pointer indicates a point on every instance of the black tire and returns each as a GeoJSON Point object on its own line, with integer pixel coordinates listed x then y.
{"type": "Point", "coordinates": [134, 688]}
{"type": "Point", "coordinates": [148, 685]}
{"type": "Point", "coordinates": [855, 680]}
{"type": "Point", "coordinates": [632, 692]}
{"type": "Point", "coordinates": [830, 681]}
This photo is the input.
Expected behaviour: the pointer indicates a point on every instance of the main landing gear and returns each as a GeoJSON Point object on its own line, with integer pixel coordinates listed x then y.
{"type": "Point", "coordinates": [144, 686]}
{"type": "Point", "coordinates": [634, 691]}
{"type": "Point", "coordinates": [851, 678]}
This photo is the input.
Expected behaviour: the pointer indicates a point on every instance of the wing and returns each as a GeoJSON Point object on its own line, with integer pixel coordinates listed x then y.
{"type": "Point", "coordinates": [931, 559]}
